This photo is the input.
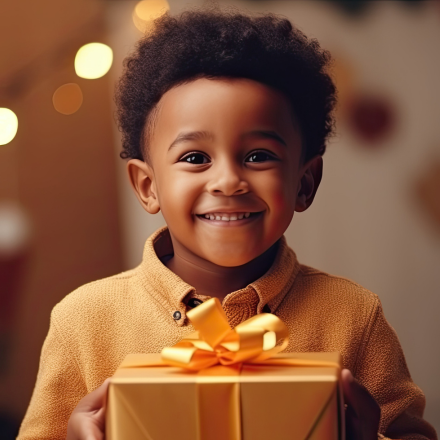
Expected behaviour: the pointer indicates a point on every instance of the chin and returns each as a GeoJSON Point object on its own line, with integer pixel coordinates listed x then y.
{"type": "Point", "coordinates": [228, 262]}
{"type": "Point", "coordinates": [231, 257]}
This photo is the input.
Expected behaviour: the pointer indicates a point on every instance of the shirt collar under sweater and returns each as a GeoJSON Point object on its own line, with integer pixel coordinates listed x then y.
{"type": "Point", "coordinates": [172, 292]}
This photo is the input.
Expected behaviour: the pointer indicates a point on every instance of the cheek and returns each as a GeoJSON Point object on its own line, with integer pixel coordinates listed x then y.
{"type": "Point", "coordinates": [282, 210]}
{"type": "Point", "coordinates": [280, 201]}
{"type": "Point", "coordinates": [178, 197]}
{"type": "Point", "coordinates": [281, 198]}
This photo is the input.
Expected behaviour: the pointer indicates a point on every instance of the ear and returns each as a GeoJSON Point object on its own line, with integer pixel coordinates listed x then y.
{"type": "Point", "coordinates": [142, 181]}
{"type": "Point", "coordinates": [308, 185]}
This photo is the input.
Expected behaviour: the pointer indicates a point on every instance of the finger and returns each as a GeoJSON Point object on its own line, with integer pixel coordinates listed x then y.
{"type": "Point", "coordinates": [358, 396]}
{"type": "Point", "coordinates": [352, 423]}
{"type": "Point", "coordinates": [100, 414]}
{"type": "Point", "coordinates": [363, 412]}
{"type": "Point", "coordinates": [347, 384]}
{"type": "Point", "coordinates": [96, 399]}
{"type": "Point", "coordinates": [90, 431]}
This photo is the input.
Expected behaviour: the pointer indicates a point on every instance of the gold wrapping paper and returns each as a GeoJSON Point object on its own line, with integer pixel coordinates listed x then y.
{"type": "Point", "coordinates": [150, 401]}
{"type": "Point", "coordinates": [220, 383]}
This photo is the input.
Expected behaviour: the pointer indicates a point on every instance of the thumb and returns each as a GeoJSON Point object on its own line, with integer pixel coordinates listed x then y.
{"type": "Point", "coordinates": [363, 412]}
{"type": "Point", "coordinates": [96, 399]}
{"type": "Point", "coordinates": [348, 382]}
{"type": "Point", "coordinates": [357, 396]}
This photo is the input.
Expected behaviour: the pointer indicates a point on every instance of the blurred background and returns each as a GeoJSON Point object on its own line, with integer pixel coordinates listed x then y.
{"type": "Point", "coordinates": [67, 214]}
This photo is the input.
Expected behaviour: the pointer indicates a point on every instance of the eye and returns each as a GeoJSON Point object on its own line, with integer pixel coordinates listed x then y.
{"type": "Point", "coordinates": [259, 156]}
{"type": "Point", "coordinates": [195, 158]}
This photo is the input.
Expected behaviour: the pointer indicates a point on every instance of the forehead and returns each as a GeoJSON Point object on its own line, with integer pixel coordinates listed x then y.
{"type": "Point", "coordinates": [223, 107]}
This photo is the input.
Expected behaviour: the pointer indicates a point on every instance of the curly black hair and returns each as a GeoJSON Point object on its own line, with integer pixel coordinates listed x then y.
{"type": "Point", "coordinates": [214, 44]}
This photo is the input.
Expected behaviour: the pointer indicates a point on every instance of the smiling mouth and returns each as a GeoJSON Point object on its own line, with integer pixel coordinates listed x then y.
{"type": "Point", "coordinates": [228, 216]}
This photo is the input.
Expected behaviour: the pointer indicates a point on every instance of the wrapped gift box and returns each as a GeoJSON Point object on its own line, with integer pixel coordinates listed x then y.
{"type": "Point", "coordinates": [246, 402]}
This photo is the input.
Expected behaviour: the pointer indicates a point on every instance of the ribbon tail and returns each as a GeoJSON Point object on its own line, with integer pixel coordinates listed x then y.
{"type": "Point", "coordinates": [219, 409]}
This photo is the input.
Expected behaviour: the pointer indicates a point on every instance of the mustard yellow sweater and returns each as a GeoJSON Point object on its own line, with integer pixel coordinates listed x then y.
{"type": "Point", "coordinates": [144, 310]}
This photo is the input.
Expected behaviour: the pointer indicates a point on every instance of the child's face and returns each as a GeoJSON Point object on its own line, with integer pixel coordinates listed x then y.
{"type": "Point", "coordinates": [225, 168]}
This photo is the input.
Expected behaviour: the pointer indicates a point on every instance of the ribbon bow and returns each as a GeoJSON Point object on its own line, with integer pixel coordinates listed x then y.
{"type": "Point", "coordinates": [214, 342]}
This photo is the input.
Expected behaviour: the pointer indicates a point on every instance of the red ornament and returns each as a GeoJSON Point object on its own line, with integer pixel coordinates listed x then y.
{"type": "Point", "coordinates": [371, 118]}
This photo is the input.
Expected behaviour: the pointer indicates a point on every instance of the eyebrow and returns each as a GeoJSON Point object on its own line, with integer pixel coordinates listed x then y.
{"type": "Point", "coordinates": [200, 135]}
{"type": "Point", "coordinates": [190, 136]}
{"type": "Point", "coordinates": [266, 134]}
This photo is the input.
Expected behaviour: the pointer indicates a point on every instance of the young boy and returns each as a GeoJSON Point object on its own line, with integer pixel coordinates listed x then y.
{"type": "Point", "coordinates": [224, 120]}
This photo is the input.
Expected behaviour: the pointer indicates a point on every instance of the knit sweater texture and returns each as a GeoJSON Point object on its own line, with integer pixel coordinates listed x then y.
{"type": "Point", "coordinates": [96, 326]}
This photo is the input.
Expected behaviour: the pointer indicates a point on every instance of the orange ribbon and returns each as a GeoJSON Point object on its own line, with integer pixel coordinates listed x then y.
{"type": "Point", "coordinates": [254, 341]}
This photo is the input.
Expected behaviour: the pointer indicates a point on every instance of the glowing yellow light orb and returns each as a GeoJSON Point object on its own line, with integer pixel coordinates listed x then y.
{"type": "Point", "coordinates": [67, 99]}
{"type": "Point", "coordinates": [8, 125]}
{"type": "Point", "coordinates": [93, 60]}
{"type": "Point", "coordinates": [148, 10]}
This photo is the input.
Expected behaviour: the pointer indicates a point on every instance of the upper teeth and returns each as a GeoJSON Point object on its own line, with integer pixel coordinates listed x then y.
{"type": "Point", "coordinates": [227, 217]}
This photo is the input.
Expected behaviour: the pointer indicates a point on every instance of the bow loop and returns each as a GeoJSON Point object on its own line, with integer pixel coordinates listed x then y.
{"type": "Point", "coordinates": [211, 322]}
{"type": "Point", "coordinates": [214, 342]}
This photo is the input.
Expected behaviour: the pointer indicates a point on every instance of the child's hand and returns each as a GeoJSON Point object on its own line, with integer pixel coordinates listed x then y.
{"type": "Point", "coordinates": [87, 421]}
{"type": "Point", "coordinates": [363, 413]}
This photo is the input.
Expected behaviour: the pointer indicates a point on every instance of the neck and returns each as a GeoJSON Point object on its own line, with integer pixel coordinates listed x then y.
{"type": "Point", "coordinates": [217, 281]}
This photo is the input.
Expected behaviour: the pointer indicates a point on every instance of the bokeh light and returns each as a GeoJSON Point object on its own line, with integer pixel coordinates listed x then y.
{"type": "Point", "coordinates": [67, 99]}
{"type": "Point", "coordinates": [148, 10]}
{"type": "Point", "coordinates": [93, 60]}
{"type": "Point", "coordinates": [8, 125]}
{"type": "Point", "coordinates": [15, 228]}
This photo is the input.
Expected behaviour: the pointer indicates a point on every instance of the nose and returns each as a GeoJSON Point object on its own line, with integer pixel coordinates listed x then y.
{"type": "Point", "coordinates": [227, 181]}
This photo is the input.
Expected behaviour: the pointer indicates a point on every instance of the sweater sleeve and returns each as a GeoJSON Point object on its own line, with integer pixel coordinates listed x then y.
{"type": "Point", "coordinates": [382, 369]}
{"type": "Point", "coordinates": [58, 390]}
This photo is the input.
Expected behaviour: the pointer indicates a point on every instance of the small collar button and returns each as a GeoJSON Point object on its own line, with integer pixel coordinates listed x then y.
{"type": "Point", "coordinates": [194, 302]}
{"type": "Point", "coordinates": [177, 315]}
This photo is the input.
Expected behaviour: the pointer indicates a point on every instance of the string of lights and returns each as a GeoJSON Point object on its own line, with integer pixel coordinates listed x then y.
{"type": "Point", "coordinates": [92, 61]}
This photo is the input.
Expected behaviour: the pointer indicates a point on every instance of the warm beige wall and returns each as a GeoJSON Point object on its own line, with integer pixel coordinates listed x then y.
{"type": "Point", "coordinates": [364, 224]}
{"type": "Point", "coordinates": [61, 168]}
